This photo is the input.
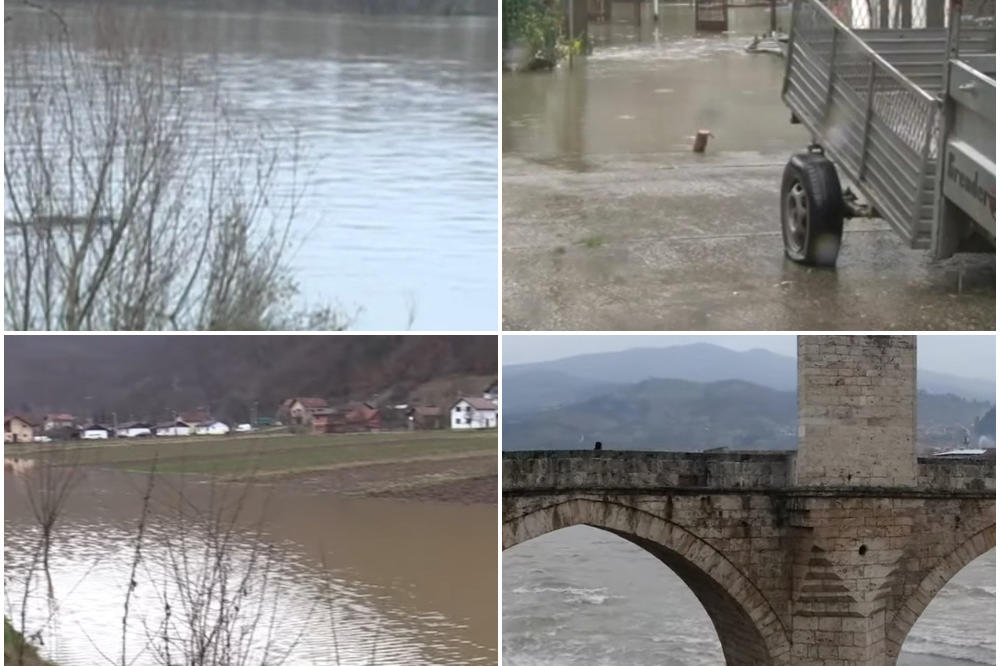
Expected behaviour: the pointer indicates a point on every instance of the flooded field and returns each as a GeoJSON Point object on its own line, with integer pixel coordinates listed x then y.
{"type": "Point", "coordinates": [583, 595]}
{"type": "Point", "coordinates": [611, 222]}
{"type": "Point", "coordinates": [396, 118]}
{"type": "Point", "coordinates": [351, 579]}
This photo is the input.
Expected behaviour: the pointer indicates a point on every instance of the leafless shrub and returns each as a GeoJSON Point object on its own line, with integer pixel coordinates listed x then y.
{"type": "Point", "coordinates": [136, 197]}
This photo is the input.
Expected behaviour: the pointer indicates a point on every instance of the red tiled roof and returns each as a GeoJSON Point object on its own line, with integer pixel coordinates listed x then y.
{"type": "Point", "coordinates": [59, 417]}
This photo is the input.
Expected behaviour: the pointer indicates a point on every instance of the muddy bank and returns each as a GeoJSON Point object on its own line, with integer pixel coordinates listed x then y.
{"type": "Point", "coordinates": [466, 480]}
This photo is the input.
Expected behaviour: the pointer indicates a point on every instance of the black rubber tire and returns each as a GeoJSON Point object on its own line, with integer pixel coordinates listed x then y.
{"type": "Point", "coordinates": [810, 181]}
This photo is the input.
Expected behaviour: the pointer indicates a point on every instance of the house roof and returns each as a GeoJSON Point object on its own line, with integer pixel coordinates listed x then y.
{"type": "Point", "coordinates": [311, 403]}
{"type": "Point", "coordinates": [21, 417]}
{"type": "Point", "coordinates": [172, 424]}
{"type": "Point", "coordinates": [62, 416]}
{"type": "Point", "coordinates": [477, 403]}
{"type": "Point", "coordinates": [97, 426]}
{"type": "Point", "coordinates": [134, 424]}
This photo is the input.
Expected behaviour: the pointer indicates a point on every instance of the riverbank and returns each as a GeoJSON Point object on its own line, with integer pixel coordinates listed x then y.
{"type": "Point", "coordinates": [429, 465]}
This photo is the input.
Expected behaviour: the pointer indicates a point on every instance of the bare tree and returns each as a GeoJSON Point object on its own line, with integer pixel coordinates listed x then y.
{"type": "Point", "coordinates": [137, 198]}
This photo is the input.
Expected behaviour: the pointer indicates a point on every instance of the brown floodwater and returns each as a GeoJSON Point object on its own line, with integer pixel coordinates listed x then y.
{"type": "Point", "coordinates": [410, 582]}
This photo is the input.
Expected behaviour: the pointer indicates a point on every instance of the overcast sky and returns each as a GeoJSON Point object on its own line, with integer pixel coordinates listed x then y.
{"type": "Point", "coordinates": [963, 355]}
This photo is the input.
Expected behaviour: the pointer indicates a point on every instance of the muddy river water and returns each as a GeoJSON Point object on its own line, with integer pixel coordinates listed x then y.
{"type": "Point", "coordinates": [410, 582]}
{"type": "Point", "coordinates": [611, 222]}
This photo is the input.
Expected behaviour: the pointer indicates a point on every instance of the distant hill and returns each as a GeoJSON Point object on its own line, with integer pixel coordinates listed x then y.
{"type": "Point", "coordinates": [669, 414]}
{"type": "Point", "coordinates": [148, 377]}
{"type": "Point", "coordinates": [700, 362]}
{"type": "Point", "coordinates": [678, 415]}
{"type": "Point", "coordinates": [986, 426]}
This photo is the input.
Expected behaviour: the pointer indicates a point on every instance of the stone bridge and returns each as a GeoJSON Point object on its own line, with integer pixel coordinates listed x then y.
{"type": "Point", "coordinates": [824, 556]}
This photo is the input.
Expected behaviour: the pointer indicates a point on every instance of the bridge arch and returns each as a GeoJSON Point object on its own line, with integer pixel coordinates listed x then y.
{"type": "Point", "coordinates": [750, 631]}
{"type": "Point", "coordinates": [910, 611]}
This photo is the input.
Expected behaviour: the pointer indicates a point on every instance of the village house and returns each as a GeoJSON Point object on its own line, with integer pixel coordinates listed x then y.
{"type": "Point", "coordinates": [426, 418]}
{"type": "Point", "coordinates": [134, 429]}
{"type": "Point", "coordinates": [312, 414]}
{"type": "Point", "coordinates": [175, 428]}
{"type": "Point", "coordinates": [355, 417]}
{"type": "Point", "coordinates": [211, 427]}
{"type": "Point", "coordinates": [16, 429]}
{"type": "Point", "coordinates": [95, 431]}
{"type": "Point", "coordinates": [58, 421]}
{"type": "Point", "coordinates": [473, 413]}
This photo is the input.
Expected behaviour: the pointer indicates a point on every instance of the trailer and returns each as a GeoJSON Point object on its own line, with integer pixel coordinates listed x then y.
{"type": "Point", "coordinates": [900, 99]}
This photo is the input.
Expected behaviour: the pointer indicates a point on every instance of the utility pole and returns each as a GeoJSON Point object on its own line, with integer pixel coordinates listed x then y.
{"type": "Point", "coordinates": [656, 10]}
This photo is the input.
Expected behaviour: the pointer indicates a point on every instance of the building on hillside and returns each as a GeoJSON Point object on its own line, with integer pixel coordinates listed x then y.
{"type": "Point", "coordinates": [355, 417]}
{"type": "Point", "coordinates": [473, 413]}
{"type": "Point", "coordinates": [17, 428]}
{"type": "Point", "coordinates": [134, 429]}
{"type": "Point", "coordinates": [426, 418]}
{"type": "Point", "coordinates": [95, 431]}
{"type": "Point", "coordinates": [312, 414]}
{"type": "Point", "coordinates": [58, 421]}
{"type": "Point", "coordinates": [175, 428]}
{"type": "Point", "coordinates": [211, 427]}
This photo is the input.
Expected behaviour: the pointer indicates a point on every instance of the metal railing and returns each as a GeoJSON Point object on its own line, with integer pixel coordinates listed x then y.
{"type": "Point", "coordinates": [874, 122]}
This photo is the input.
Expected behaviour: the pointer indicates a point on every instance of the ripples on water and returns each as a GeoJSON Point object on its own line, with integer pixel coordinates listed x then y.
{"type": "Point", "coordinates": [580, 595]}
{"type": "Point", "coordinates": [397, 118]}
{"type": "Point", "coordinates": [91, 566]}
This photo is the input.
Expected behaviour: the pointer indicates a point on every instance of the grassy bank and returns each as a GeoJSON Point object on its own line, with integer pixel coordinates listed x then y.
{"type": "Point", "coordinates": [275, 453]}
{"type": "Point", "coordinates": [12, 642]}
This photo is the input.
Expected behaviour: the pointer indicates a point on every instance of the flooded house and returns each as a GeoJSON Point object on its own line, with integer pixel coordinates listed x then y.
{"type": "Point", "coordinates": [17, 428]}
{"type": "Point", "coordinates": [473, 413]}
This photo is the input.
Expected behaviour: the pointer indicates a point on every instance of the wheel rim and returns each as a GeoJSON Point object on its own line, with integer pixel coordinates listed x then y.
{"type": "Point", "coordinates": [796, 216]}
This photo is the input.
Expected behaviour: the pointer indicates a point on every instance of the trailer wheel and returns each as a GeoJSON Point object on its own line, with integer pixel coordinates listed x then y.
{"type": "Point", "coordinates": [812, 209]}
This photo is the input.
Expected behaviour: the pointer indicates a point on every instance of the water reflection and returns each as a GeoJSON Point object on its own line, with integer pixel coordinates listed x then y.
{"type": "Point", "coordinates": [412, 582]}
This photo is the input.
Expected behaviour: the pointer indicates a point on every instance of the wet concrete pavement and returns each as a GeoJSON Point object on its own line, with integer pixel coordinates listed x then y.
{"type": "Point", "coordinates": [611, 223]}
{"type": "Point", "coordinates": [649, 242]}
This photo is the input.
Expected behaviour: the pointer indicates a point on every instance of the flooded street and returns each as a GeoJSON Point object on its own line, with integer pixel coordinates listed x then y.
{"type": "Point", "coordinates": [611, 222]}
{"type": "Point", "coordinates": [396, 118]}
{"type": "Point", "coordinates": [352, 578]}
{"type": "Point", "coordinates": [582, 595]}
